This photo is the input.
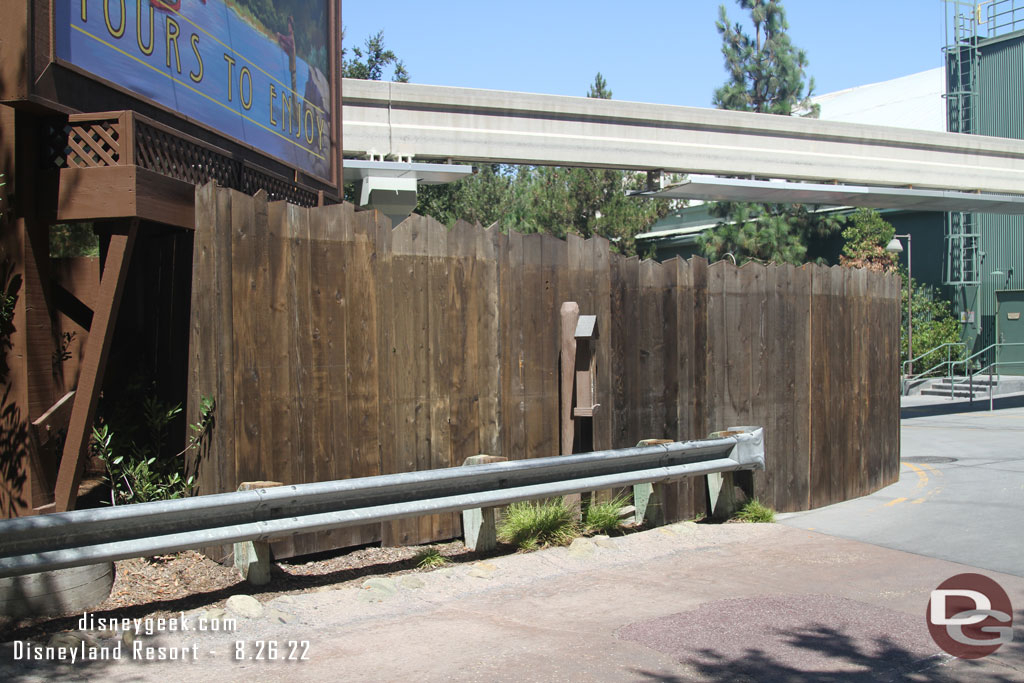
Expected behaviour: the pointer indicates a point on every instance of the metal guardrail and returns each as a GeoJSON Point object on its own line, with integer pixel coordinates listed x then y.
{"type": "Point", "coordinates": [80, 537]}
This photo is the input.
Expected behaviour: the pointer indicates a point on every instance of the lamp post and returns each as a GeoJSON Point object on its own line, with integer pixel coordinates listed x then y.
{"type": "Point", "coordinates": [896, 247]}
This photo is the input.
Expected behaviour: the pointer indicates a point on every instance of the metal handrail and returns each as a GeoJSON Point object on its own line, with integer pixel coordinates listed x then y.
{"type": "Point", "coordinates": [991, 366]}
{"type": "Point", "coordinates": [910, 362]}
{"type": "Point", "coordinates": [80, 537]}
{"type": "Point", "coordinates": [948, 363]}
{"type": "Point", "coordinates": [985, 350]}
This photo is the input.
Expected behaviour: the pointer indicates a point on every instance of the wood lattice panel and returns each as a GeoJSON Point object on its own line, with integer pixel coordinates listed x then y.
{"type": "Point", "coordinates": [173, 156]}
{"type": "Point", "coordinates": [94, 144]}
{"type": "Point", "coordinates": [113, 139]}
{"type": "Point", "coordinates": [253, 181]}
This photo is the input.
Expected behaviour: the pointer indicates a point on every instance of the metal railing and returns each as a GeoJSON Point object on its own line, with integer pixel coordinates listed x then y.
{"type": "Point", "coordinates": [930, 372]}
{"type": "Point", "coordinates": [80, 537]}
{"type": "Point", "coordinates": [991, 369]}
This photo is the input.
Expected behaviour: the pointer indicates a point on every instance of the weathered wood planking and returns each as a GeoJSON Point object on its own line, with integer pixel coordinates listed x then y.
{"type": "Point", "coordinates": [337, 346]}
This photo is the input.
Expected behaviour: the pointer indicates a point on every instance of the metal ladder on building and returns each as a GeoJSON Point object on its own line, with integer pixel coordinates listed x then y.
{"type": "Point", "coordinates": [963, 65]}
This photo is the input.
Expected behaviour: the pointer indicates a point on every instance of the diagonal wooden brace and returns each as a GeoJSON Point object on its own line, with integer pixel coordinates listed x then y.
{"type": "Point", "coordinates": [97, 350]}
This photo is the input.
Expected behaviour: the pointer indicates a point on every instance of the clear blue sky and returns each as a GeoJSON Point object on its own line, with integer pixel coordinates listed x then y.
{"type": "Point", "coordinates": [665, 52]}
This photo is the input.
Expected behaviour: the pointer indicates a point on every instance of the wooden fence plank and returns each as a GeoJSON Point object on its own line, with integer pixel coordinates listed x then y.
{"type": "Point", "coordinates": [619, 334]}
{"type": "Point", "coordinates": [821, 379]}
{"type": "Point", "coordinates": [322, 425]}
{"type": "Point", "coordinates": [463, 329]}
{"type": "Point", "coordinates": [555, 261]}
{"type": "Point", "coordinates": [361, 418]}
{"type": "Point", "coordinates": [719, 347]}
{"type": "Point", "coordinates": [205, 378]}
{"type": "Point", "coordinates": [632, 383]}
{"type": "Point", "coordinates": [513, 327]}
{"type": "Point", "coordinates": [534, 322]}
{"type": "Point", "coordinates": [300, 352]}
{"type": "Point", "coordinates": [489, 346]}
{"type": "Point", "coordinates": [412, 373]}
{"type": "Point", "coordinates": [599, 280]}
{"type": "Point", "coordinates": [440, 364]}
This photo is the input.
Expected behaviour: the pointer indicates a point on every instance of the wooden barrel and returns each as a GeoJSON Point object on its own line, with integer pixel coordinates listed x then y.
{"type": "Point", "coordinates": [56, 592]}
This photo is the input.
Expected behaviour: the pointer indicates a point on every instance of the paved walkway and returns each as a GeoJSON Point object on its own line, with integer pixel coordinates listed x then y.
{"type": "Point", "coordinates": [961, 491]}
{"type": "Point", "coordinates": [730, 602]}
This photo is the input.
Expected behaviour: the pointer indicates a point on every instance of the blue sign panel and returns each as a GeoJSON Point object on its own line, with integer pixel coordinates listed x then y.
{"type": "Point", "coordinates": [252, 69]}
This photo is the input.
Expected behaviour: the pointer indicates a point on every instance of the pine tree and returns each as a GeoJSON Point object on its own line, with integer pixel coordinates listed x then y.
{"type": "Point", "coordinates": [587, 201]}
{"type": "Point", "coordinates": [766, 75]}
{"type": "Point", "coordinates": [599, 88]}
{"type": "Point", "coordinates": [369, 61]}
{"type": "Point", "coordinates": [766, 72]}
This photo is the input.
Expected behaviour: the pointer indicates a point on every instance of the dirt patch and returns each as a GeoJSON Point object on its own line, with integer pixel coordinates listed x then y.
{"type": "Point", "coordinates": [168, 584]}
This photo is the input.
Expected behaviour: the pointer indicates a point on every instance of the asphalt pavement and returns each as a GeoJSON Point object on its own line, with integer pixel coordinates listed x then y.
{"type": "Point", "coordinates": [842, 602]}
{"type": "Point", "coordinates": [960, 496]}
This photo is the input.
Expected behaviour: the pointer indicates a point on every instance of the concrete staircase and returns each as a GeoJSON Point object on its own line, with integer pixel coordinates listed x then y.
{"type": "Point", "coordinates": [960, 387]}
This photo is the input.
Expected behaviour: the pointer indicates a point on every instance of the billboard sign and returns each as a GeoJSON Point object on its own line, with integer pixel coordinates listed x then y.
{"type": "Point", "coordinates": [254, 70]}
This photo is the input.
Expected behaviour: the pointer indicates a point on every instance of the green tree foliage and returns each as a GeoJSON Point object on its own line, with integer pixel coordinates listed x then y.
{"type": "Point", "coordinates": [766, 75]}
{"type": "Point", "coordinates": [933, 320]}
{"type": "Point", "coordinates": [370, 61]}
{"type": "Point", "coordinates": [766, 72]}
{"type": "Point", "coordinates": [866, 235]}
{"type": "Point", "coordinates": [586, 202]}
{"type": "Point", "coordinates": [599, 88]}
{"type": "Point", "coordinates": [68, 240]}
{"type": "Point", "coordinates": [488, 196]}
{"type": "Point", "coordinates": [549, 199]}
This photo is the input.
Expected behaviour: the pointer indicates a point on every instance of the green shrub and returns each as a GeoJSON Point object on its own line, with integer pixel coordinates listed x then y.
{"type": "Point", "coordinates": [531, 525]}
{"type": "Point", "coordinates": [603, 518]}
{"type": "Point", "coordinates": [430, 558]}
{"type": "Point", "coordinates": [132, 444]}
{"type": "Point", "coordinates": [754, 511]}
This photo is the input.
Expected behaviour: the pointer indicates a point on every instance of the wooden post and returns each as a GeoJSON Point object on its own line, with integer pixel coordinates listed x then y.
{"type": "Point", "coordinates": [569, 315]}
{"type": "Point", "coordinates": [252, 558]}
{"type": "Point", "coordinates": [649, 499]}
{"type": "Point", "coordinates": [478, 527]}
{"type": "Point", "coordinates": [115, 274]}
{"type": "Point", "coordinates": [721, 486]}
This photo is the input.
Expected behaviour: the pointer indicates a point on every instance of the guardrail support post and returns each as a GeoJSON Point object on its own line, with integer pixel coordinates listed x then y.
{"type": "Point", "coordinates": [252, 558]}
{"type": "Point", "coordinates": [478, 527]}
{"type": "Point", "coordinates": [649, 499]}
{"type": "Point", "coordinates": [721, 495]}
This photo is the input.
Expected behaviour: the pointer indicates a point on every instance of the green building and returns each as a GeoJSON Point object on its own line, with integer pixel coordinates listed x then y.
{"type": "Point", "coordinates": [984, 253]}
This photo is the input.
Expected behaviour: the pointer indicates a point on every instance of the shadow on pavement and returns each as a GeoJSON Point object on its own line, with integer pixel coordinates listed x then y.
{"type": "Point", "coordinates": [952, 408]}
{"type": "Point", "coordinates": [786, 643]}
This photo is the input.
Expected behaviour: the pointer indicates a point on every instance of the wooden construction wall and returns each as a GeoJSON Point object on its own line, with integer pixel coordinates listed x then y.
{"type": "Point", "coordinates": [336, 346]}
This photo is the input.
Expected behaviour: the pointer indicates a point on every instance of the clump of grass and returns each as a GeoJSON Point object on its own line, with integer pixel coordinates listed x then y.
{"type": "Point", "coordinates": [603, 518]}
{"type": "Point", "coordinates": [755, 511]}
{"type": "Point", "coordinates": [531, 525]}
{"type": "Point", "coordinates": [430, 558]}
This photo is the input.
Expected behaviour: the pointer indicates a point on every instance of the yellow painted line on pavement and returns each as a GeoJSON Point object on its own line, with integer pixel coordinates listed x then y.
{"type": "Point", "coordinates": [917, 502]}
{"type": "Point", "coordinates": [893, 502]}
{"type": "Point", "coordinates": [933, 469]}
{"type": "Point", "coordinates": [922, 476]}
